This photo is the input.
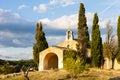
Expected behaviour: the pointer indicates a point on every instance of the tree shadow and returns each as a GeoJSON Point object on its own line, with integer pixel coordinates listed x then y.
{"type": "Point", "coordinates": [68, 77]}
{"type": "Point", "coordinates": [115, 78]}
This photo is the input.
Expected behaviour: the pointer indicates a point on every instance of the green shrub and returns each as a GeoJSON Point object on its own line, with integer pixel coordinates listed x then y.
{"type": "Point", "coordinates": [74, 63]}
{"type": "Point", "coordinates": [118, 57]}
{"type": "Point", "coordinates": [15, 66]}
{"type": "Point", "coordinates": [10, 69]}
{"type": "Point", "coordinates": [1, 69]}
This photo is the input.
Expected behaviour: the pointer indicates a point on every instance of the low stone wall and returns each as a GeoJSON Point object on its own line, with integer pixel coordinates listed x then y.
{"type": "Point", "coordinates": [108, 64]}
{"type": "Point", "coordinates": [116, 65]}
{"type": "Point", "coordinates": [10, 75]}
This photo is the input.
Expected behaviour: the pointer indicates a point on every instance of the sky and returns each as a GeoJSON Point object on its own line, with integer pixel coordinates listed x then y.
{"type": "Point", "coordinates": [18, 19]}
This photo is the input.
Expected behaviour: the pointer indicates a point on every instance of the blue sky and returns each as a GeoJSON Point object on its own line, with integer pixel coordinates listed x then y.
{"type": "Point", "coordinates": [18, 20]}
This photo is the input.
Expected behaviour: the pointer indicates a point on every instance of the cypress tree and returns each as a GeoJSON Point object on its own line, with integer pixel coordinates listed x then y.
{"type": "Point", "coordinates": [118, 32]}
{"type": "Point", "coordinates": [40, 44]}
{"type": "Point", "coordinates": [83, 35]}
{"type": "Point", "coordinates": [118, 35]}
{"type": "Point", "coordinates": [96, 43]}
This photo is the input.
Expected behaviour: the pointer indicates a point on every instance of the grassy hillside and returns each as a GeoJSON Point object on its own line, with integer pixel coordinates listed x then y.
{"type": "Point", "coordinates": [93, 74]}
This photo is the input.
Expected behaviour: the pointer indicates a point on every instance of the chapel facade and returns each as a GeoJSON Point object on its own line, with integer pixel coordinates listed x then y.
{"type": "Point", "coordinates": [52, 57]}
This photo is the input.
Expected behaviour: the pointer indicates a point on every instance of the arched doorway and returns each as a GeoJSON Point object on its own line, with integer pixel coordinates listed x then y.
{"type": "Point", "coordinates": [50, 61]}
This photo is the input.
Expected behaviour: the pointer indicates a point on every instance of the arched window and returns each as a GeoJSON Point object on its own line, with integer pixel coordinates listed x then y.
{"type": "Point", "coordinates": [68, 46]}
{"type": "Point", "coordinates": [69, 35]}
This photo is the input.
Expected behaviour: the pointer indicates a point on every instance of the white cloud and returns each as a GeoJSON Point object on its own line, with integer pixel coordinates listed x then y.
{"type": "Point", "coordinates": [43, 7]}
{"type": "Point", "coordinates": [53, 2]}
{"type": "Point", "coordinates": [6, 16]}
{"type": "Point", "coordinates": [66, 22]}
{"type": "Point", "coordinates": [15, 31]}
{"type": "Point", "coordinates": [63, 22]}
{"type": "Point", "coordinates": [40, 8]}
{"type": "Point", "coordinates": [22, 6]}
{"type": "Point", "coordinates": [1, 46]}
{"type": "Point", "coordinates": [71, 21]}
{"type": "Point", "coordinates": [16, 53]}
{"type": "Point", "coordinates": [67, 2]}
{"type": "Point", "coordinates": [103, 22]}
{"type": "Point", "coordinates": [16, 41]}
{"type": "Point", "coordinates": [16, 15]}
{"type": "Point", "coordinates": [89, 17]}
{"type": "Point", "coordinates": [54, 40]}
{"type": "Point", "coordinates": [13, 39]}
{"type": "Point", "coordinates": [7, 34]}
{"type": "Point", "coordinates": [2, 51]}
{"type": "Point", "coordinates": [62, 2]}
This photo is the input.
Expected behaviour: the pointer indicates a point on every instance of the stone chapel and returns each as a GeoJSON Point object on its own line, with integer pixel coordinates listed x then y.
{"type": "Point", "coordinates": [52, 57]}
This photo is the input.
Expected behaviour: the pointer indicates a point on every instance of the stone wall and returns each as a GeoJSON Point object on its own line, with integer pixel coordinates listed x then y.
{"type": "Point", "coordinates": [108, 64]}
{"type": "Point", "coordinates": [116, 65]}
{"type": "Point", "coordinates": [70, 43]}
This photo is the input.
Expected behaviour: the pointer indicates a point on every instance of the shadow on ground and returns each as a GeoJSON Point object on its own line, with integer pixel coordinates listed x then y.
{"type": "Point", "coordinates": [68, 77]}
{"type": "Point", "coordinates": [115, 78]}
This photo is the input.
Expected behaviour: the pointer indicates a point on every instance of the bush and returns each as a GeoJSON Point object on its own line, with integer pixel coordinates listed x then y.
{"type": "Point", "coordinates": [1, 69]}
{"type": "Point", "coordinates": [10, 69]}
{"type": "Point", "coordinates": [118, 57]}
{"type": "Point", "coordinates": [15, 66]}
{"type": "Point", "coordinates": [74, 63]}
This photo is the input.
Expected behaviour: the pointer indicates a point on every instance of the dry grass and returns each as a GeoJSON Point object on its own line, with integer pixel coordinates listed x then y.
{"type": "Point", "coordinates": [93, 74]}
{"type": "Point", "coordinates": [98, 74]}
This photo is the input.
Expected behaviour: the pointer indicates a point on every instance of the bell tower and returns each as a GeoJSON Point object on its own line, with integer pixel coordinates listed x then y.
{"type": "Point", "coordinates": [69, 34]}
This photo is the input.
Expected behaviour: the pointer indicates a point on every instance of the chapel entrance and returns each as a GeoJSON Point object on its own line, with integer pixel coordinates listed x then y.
{"type": "Point", "coordinates": [50, 61]}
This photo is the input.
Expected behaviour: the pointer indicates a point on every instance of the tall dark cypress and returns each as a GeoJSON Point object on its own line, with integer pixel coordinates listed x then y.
{"type": "Point", "coordinates": [83, 35]}
{"type": "Point", "coordinates": [96, 43]}
{"type": "Point", "coordinates": [118, 35]}
{"type": "Point", "coordinates": [118, 32]}
{"type": "Point", "coordinates": [40, 43]}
